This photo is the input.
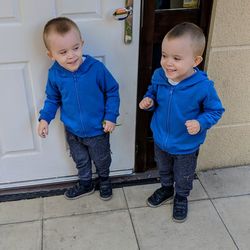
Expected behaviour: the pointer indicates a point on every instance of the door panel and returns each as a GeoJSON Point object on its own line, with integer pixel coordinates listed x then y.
{"type": "Point", "coordinates": [26, 159]}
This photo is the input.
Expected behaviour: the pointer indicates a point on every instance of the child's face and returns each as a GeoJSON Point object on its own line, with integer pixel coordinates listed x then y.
{"type": "Point", "coordinates": [178, 58]}
{"type": "Point", "coordinates": [66, 49]}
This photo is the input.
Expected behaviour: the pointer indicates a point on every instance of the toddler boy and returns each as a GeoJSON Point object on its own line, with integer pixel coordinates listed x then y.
{"type": "Point", "coordinates": [185, 105]}
{"type": "Point", "coordinates": [88, 97]}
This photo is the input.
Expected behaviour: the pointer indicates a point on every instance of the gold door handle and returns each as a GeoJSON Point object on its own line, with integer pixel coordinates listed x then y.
{"type": "Point", "coordinates": [126, 14]}
{"type": "Point", "coordinates": [123, 13]}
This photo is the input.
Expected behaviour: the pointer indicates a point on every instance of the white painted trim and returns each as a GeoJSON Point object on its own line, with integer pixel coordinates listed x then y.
{"type": "Point", "coordinates": [51, 181]}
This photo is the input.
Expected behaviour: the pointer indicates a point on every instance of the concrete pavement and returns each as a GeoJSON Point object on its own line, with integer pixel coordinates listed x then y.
{"type": "Point", "coordinates": [219, 218]}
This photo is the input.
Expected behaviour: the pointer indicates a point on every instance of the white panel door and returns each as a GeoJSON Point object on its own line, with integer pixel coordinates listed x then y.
{"type": "Point", "coordinates": [26, 159]}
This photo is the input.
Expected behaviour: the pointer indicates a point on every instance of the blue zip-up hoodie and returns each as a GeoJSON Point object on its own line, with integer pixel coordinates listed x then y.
{"type": "Point", "coordinates": [193, 98]}
{"type": "Point", "coordinates": [86, 97]}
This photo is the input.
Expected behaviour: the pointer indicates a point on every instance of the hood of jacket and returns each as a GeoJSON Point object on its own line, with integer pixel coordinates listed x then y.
{"type": "Point", "coordinates": [88, 62]}
{"type": "Point", "coordinates": [160, 78]}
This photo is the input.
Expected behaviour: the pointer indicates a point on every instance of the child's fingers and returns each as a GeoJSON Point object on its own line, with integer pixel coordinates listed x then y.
{"type": "Point", "coordinates": [188, 123]}
{"type": "Point", "coordinates": [146, 103]}
{"type": "Point", "coordinates": [40, 131]}
{"type": "Point", "coordinates": [46, 130]}
{"type": "Point", "coordinates": [142, 104]}
{"type": "Point", "coordinates": [43, 132]}
{"type": "Point", "coordinates": [108, 126]}
{"type": "Point", "coordinates": [191, 131]}
{"type": "Point", "coordinates": [193, 128]}
{"type": "Point", "coordinates": [108, 129]}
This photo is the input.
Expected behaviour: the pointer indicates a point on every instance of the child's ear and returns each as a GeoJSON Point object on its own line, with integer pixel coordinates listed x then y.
{"type": "Point", "coordinates": [49, 54]}
{"type": "Point", "coordinates": [197, 60]}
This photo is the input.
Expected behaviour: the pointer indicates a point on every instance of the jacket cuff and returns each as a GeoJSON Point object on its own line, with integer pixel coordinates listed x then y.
{"type": "Point", "coordinates": [110, 117]}
{"type": "Point", "coordinates": [45, 117]}
{"type": "Point", "coordinates": [202, 125]}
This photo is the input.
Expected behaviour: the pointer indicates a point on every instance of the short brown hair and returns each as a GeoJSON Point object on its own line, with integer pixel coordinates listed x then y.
{"type": "Point", "coordinates": [193, 31]}
{"type": "Point", "coordinates": [60, 25]}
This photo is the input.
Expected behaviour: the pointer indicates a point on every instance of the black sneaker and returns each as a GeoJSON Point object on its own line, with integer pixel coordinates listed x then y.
{"type": "Point", "coordinates": [106, 190]}
{"type": "Point", "coordinates": [160, 196]}
{"type": "Point", "coordinates": [79, 190]}
{"type": "Point", "coordinates": [180, 208]}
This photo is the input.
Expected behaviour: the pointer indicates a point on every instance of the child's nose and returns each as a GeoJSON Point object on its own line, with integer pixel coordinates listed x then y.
{"type": "Point", "coordinates": [70, 54]}
{"type": "Point", "coordinates": [169, 61]}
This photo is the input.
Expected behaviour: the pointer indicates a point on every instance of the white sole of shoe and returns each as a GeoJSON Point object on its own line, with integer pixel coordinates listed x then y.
{"type": "Point", "coordinates": [179, 221]}
{"type": "Point", "coordinates": [154, 206]}
{"type": "Point", "coordinates": [106, 199]}
{"type": "Point", "coordinates": [79, 196]}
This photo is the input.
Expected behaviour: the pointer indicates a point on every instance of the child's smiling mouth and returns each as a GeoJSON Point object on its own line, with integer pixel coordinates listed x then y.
{"type": "Point", "coordinates": [73, 62]}
{"type": "Point", "coordinates": [170, 70]}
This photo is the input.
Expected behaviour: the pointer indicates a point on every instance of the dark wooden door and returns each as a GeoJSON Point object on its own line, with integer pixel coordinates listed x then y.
{"type": "Point", "coordinates": [158, 17]}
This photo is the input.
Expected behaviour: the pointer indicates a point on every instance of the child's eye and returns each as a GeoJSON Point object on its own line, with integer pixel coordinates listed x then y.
{"type": "Point", "coordinates": [76, 48]}
{"type": "Point", "coordinates": [177, 58]}
{"type": "Point", "coordinates": [163, 56]}
{"type": "Point", "coordinates": [62, 52]}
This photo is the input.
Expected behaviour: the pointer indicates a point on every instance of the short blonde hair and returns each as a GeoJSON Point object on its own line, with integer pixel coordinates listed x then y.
{"type": "Point", "coordinates": [60, 25]}
{"type": "Point", "coordinates": [192, 30]}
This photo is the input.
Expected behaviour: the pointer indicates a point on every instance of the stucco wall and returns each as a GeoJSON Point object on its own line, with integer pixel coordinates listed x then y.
{"type": "Point", "coordinates": [228, 64]}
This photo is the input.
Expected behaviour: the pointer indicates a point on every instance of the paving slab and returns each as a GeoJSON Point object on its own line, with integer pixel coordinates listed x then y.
{"type": "Point", "coordinates": [20, 211]}
{"type": "Point", "coordinates": [137, 195]}
{"type": "Point", "coordinates": [21, 236]}
{"type": "Point", "coordinates": [99, 231]}
{"type": "Point", "coordinates": [202, 230]}
{"type": "Point", "coordinates": [235, 212]}
{"type": "Point", "coordinates": [226, 182]}
{"type": "Point", "coordinates": [59, 206]}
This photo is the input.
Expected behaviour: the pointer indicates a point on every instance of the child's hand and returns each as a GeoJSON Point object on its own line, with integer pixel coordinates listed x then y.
{"type": "Point", "coordinates": [43, 128]}
{"type": "Point", "coordinates": [108, 126]}
{"type": "Point", "coordinates": [193, 127]}
{"type": "Point", "coordinates": [146, 103]}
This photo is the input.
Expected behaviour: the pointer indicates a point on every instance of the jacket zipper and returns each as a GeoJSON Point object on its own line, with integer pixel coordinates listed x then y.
{"type": "Point", "coordinates": [78, 101]}
{"type": "Point", "coordinates": [168, 115]}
